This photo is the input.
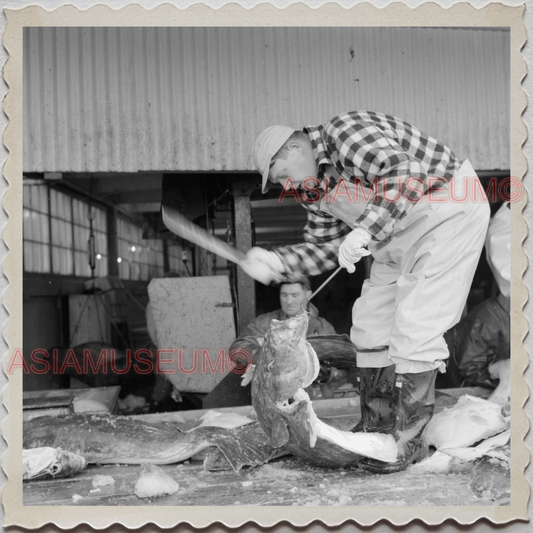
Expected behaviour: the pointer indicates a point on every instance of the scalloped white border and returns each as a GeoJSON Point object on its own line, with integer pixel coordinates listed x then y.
{"type": "Point", "coordinates": [395, 14]}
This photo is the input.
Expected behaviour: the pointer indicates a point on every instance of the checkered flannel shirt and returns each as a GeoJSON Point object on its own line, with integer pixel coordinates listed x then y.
{"type": "Point", "coordinates": [387, 154]}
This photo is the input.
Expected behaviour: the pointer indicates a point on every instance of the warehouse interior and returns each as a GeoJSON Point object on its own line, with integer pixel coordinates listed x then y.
{"type": "Point", "coordinates": [63, 207]}
{"type": "Point", "coordinates": [120, 122]}
{"type": "Point", "coordinates": [92, 198]}
{"type": "Point", "coordinates": [145, 249]}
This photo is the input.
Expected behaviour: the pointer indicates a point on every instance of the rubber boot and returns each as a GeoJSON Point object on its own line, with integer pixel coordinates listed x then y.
{"type": "Point", "coordinates": [415, 406]}
{"type": "Point", "coordinates": [377, 394]}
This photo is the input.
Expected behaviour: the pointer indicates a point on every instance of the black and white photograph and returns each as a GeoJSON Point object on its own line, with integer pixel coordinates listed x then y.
{"type": "Point", "coordinates": [266, 265]}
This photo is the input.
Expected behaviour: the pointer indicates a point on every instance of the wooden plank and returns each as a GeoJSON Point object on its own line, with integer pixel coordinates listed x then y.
{"type": "Point", "coordinates": [287, 481]}
{"type": "Point", "coordinates": [326, 408]}
{"type": "Point", "coordinates": [194, 322]}
{"type": "Point", "coordinates": [107, 396]}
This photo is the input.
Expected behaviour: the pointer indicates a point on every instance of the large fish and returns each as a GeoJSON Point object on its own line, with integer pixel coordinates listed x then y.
{"type": "Point", "coordinates": [114, 439]}
{"type": "Point", "coordinates": [287, 365]}
{"type": "Point", "coordinates": [469, 421]}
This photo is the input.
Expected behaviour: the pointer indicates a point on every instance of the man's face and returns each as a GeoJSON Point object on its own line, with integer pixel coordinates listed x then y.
{"type": "Point", "coordinates": [298, 165]}
{"type": "Point", "coordinates": [291, 296]}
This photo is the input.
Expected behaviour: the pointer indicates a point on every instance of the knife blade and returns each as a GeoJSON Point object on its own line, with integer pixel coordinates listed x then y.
{"type": "Point", "coordinates": [183, 227]}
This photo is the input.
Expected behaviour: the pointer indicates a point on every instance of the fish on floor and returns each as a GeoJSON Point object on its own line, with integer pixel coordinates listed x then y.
{"type": "Point", "coordinates": [288, 364]}
{"type": "Point", "coordinates": [105, 439]}
{"type": "Point", "coordinates": [472, 435]}
{"type": "Point", "coordinates": [469, 421]}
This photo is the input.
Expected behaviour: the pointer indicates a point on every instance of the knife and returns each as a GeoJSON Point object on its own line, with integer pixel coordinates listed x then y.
{"type": "Point", "coordinates": [183, 227]}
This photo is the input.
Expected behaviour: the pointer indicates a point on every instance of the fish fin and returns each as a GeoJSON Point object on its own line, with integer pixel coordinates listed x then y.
{"type": "Point", "coordinates": [374, 445]}
{"type": "Point", "coordinates": [216, 460]}
{"type": "Point", "coordinates": [243, 446]}
{"type": "Point", "coordinates": [313, 423]}
{"type": "Point", "coordinates": [280, 433]}
{"type": "Point", "coordinates": [314, 369]}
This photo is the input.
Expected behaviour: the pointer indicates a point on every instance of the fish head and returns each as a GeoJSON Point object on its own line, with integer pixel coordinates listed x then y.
{"type": "Point", "coordinates": [48, 462]}
{"type": "Point", "coordinates": [288, 362]}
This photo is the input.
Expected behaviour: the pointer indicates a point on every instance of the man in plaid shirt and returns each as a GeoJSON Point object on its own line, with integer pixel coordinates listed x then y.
{"type": "Point", "coordinates": [374, 184]}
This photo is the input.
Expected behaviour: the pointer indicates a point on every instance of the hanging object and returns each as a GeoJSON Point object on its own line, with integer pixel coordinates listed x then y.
{"type": "Point", "coordinates": [91, 245]}
{"type": "Point", "coordinates": [92, 252]}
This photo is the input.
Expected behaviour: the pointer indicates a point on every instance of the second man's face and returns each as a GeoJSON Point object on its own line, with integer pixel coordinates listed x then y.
{"type": "Point", "coordinates": [291, 296]}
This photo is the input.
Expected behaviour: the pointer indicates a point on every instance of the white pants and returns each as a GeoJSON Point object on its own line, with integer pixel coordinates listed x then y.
{"type": "Point", "coordinates": [420, 279]}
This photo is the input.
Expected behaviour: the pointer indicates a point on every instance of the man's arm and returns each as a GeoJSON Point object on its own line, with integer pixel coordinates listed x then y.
{"type": "Point", "coordinates": [251, 338]}
{"type": "Point", "coordinates": [258, 326]}
{"type": "Point", "coordinates": [323, 235]}
{"type": "Point", "coordinates": [326, 328]}
{"type": "Point", "coordinates": [319, 326]}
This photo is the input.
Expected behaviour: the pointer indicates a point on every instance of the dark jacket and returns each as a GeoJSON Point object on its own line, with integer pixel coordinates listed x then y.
{"type": "Point", "coordinates": [252, 336]}
{"type": "Point", "coordinates": [483, 337]}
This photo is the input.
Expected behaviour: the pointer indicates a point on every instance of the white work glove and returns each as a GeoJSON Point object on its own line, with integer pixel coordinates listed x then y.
{"type": "Point", "coordinates": [353, 248]}
{"type": "Point", "coordinates": [247, 376]}
{"type": "Point", "coordinates": [262, 265]}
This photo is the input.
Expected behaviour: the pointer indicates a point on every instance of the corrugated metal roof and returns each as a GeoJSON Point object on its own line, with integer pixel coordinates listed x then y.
{"type": "Point", "coordinates": [187, 99]}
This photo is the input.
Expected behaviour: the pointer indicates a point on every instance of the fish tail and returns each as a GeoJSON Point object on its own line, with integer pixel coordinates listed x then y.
{"type": "Point", "coordinates": [382, 447]}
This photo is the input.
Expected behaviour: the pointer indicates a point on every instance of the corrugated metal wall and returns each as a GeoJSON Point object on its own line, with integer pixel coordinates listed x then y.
{"type": "Point", "coordinates": [173, 99]}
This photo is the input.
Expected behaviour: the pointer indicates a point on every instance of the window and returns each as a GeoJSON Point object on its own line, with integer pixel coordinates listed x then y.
{"type": "Point", "coordinates": [139, 259]}
{"type": "Point", "coordinates": [61, 225]}
{"type": "Point", "coordinates": [56, 233]}
{"type": "Point", "coordinates": [36, 229]}
{"type": "Point", "coordinates": [56, 239]}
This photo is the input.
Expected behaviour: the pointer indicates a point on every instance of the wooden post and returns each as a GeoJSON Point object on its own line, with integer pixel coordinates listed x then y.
{"type": "Point", "coordinates": [205, 258]}
{"type": "Point", "coordinates": [112, 242]}
{"type": "Point", "coordinates": [242, 189]}
{"type": "Point", "coordinates": [205, 262]}
{"type": "Point", "coordinates": [166, 260]}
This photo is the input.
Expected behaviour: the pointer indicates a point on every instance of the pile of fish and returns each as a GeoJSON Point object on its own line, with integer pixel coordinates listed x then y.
{"type": "Point", "coordinates": [472, 435]}
{"type": "Point", "coordinates": [287, 424]}
{"type": "Point", "coordinates": [288, 364]}
{"type": "Point", "coordinates": [469, 421]}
